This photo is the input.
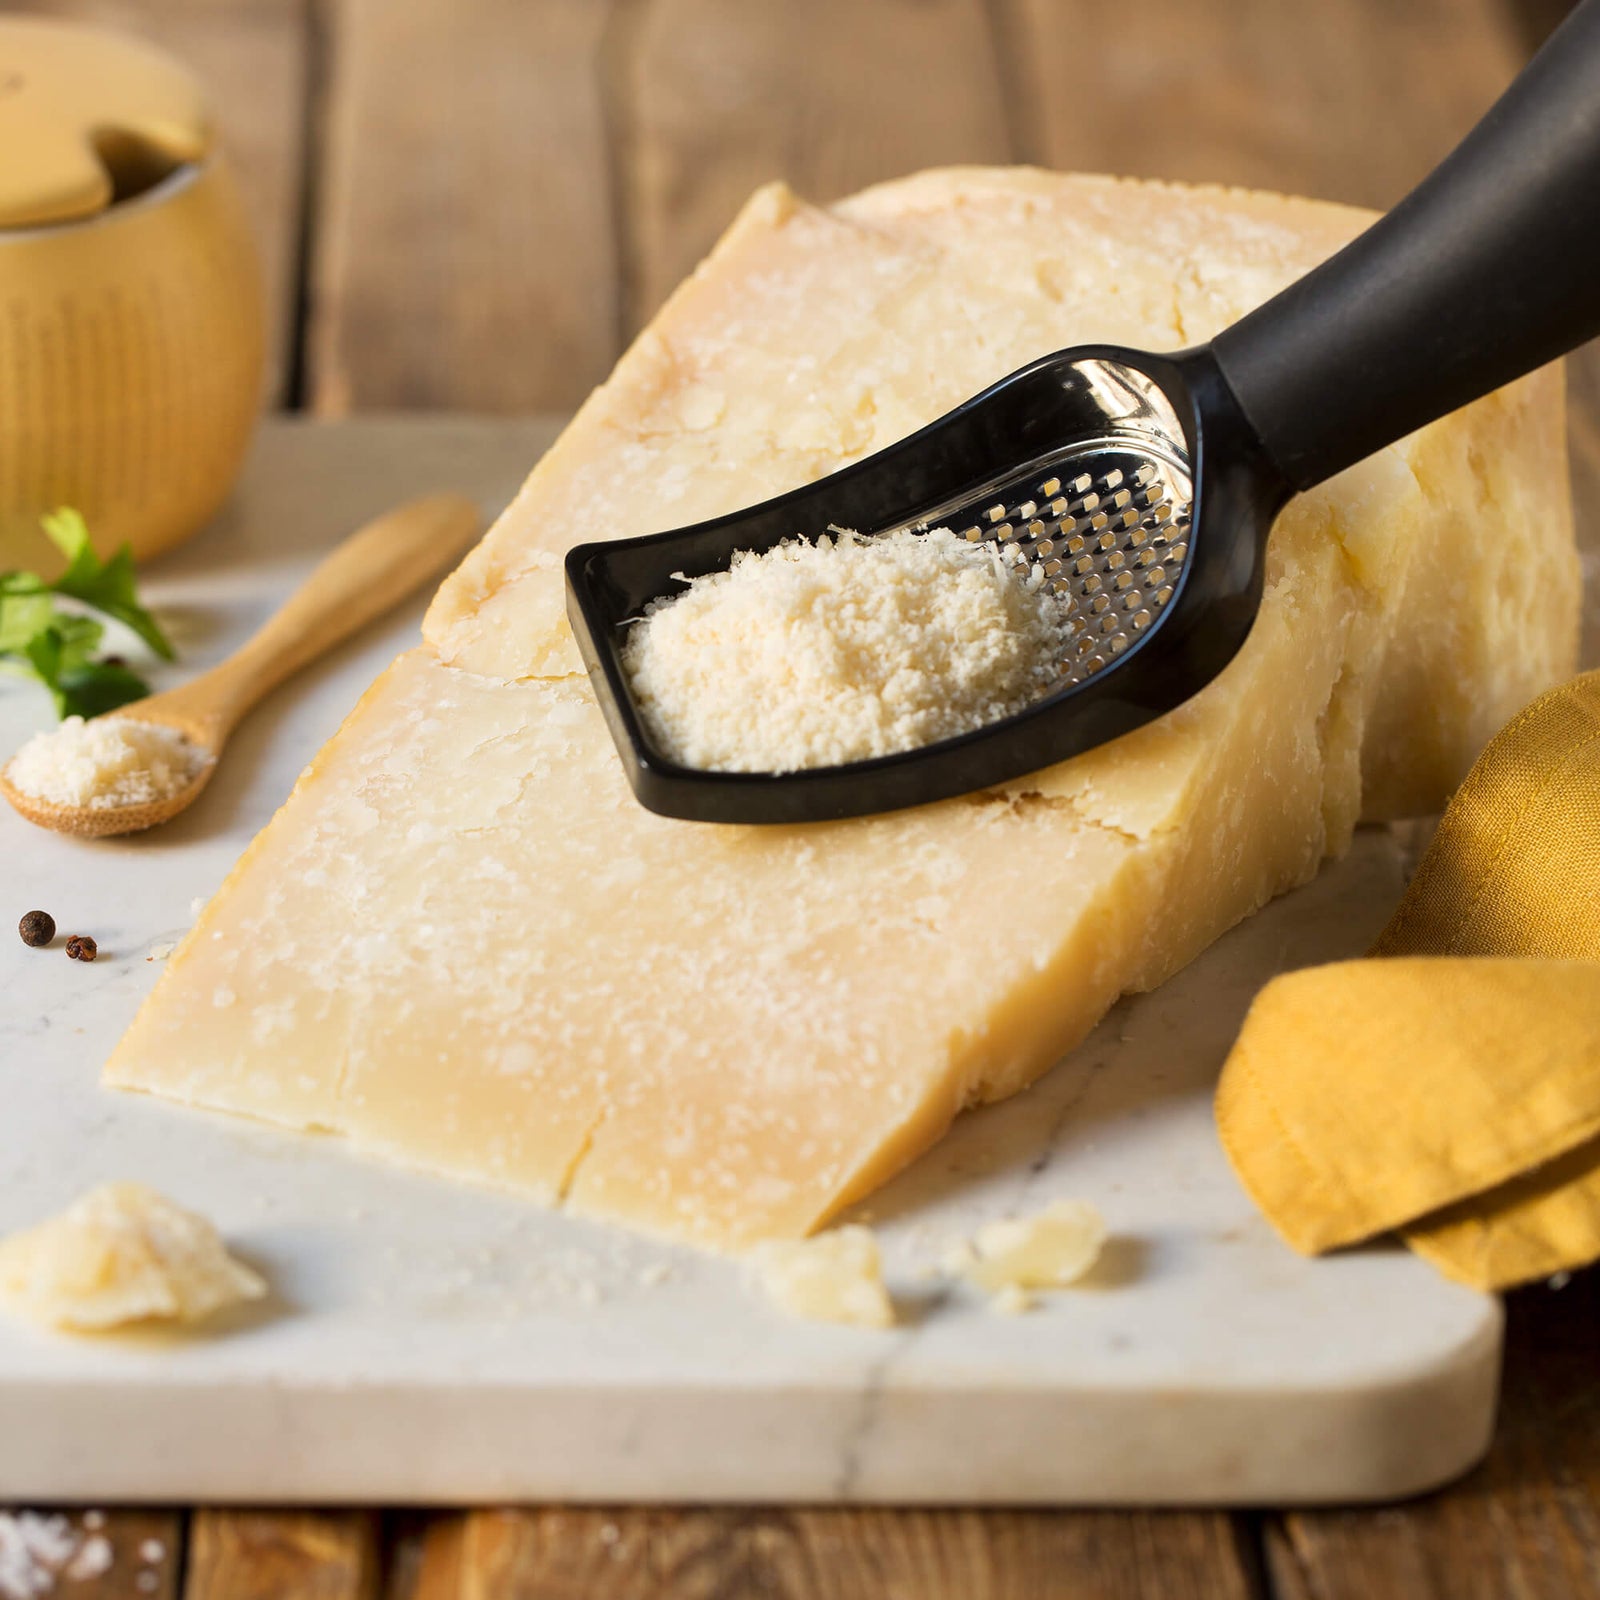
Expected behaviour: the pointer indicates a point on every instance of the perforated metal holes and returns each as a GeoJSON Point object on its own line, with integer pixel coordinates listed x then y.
{"type": "Point", "coordinates": [1105, 529]}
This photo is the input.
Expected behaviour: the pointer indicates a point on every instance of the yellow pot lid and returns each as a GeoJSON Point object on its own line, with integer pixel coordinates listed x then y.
{"type": "Point", "coordinates": [86, 116]}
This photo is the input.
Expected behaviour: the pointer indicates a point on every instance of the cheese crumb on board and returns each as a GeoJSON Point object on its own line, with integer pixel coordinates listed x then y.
{"type": "Point", "coordinates": [106, 763]}
{"type": "Point", "coordinates": [835, 1277]}
{"type": "Point", "coordinates": [1012, 1300]}
{"type": "Point", "coordinates": [122, 1253]}
{"type": "Point", "coordinates": [1048, 1250]}
{"type": "Point", "coordinates": [811, 655]}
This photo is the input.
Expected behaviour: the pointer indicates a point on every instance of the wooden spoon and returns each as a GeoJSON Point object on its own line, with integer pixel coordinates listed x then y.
{"type": "Point", "coordinates": [377, 566]}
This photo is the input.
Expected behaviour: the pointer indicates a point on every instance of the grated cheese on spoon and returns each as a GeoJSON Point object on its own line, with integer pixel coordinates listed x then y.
{"type": "Point", "coordinates": [815, 654]}
{"type": "Point", "coordinates": [106, 763]}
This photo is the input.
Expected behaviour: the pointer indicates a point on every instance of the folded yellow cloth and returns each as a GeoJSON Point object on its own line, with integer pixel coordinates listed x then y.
{"type": "Point", "coordinates": [1451, 1090]}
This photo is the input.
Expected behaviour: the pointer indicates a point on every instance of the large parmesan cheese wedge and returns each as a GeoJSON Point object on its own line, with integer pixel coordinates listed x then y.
{"type": "Point", "coordinates": [461, 943]}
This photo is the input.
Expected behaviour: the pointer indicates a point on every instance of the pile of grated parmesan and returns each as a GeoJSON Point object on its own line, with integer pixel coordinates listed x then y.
{"type": "Point", "coordinates": [106, 763]}
{"type": "Point", "coordinates": [811, 655]}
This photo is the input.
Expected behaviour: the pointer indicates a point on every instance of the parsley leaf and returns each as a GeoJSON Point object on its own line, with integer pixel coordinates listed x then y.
{"type": "Point", "coordinates": [80, 637]}
{"type": "Point", "coordinates": [40, 640]}
{"type": "Point", "coordinates": [21, 617]}
{"type": "Point", "coordinates": [108, 586]}
{"type": "Point", "coordinates": [61, 657]}
{"type": "Point", "coordinates": [98, 687]}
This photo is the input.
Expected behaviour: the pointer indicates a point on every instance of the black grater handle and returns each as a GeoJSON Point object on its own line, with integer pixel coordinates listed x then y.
{"type": "Point", "coordinates": [1488, 269]}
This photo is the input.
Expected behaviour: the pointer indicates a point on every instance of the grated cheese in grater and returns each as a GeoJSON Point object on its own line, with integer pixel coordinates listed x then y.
{"type": "Point", "coordinates": [815, 654]}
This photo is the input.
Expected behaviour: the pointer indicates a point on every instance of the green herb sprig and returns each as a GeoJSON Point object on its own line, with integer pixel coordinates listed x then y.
{"type": "Point", "coordinates": [61, 648]}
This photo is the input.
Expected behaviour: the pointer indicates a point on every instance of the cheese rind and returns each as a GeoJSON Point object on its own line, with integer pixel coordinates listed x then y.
{"type": "Point", "coordinates": [463, 944]}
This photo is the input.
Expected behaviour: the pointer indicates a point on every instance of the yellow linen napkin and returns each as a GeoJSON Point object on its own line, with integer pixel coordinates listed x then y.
{"type": "Point", "coordinates": [1451, 1090]}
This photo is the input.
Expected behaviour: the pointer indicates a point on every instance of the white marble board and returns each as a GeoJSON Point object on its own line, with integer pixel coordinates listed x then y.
{"type": "Point", "coordinates": [431, 1343]}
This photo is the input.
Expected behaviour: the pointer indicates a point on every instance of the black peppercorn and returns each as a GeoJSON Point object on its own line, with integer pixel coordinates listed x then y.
{"type": "Point", "coordinates": [80, 947]}
{"type": "Point", "coordinates": [38, 928]}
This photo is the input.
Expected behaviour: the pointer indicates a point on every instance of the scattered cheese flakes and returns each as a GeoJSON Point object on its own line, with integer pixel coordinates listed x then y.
{"type": "Point", "coordinates": [810, 655]}
{"type": "Point", "coordinates": [106, 763]}
{"type": "Point", "coordinates": [122, 1253]}
{"type": "Point", "coordinates": [1053, 1248]}
{"type": "Point", "coordinates": [835, 1277]}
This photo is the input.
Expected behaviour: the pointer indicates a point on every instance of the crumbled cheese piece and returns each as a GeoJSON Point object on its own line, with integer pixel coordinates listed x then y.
{"type": "Point", "coordinates": [814, 654]}
{"type": "Point", "coordinates": [106, 763]}
{"type": "Point", "coordinates": [835, 1277]}
{"type": "Point", "coordinates": [1011, 1300]}
{"type": "Point", "coordinates": [1053, 1248]}
{"type": "Point", "coordinates": [122, 1253]}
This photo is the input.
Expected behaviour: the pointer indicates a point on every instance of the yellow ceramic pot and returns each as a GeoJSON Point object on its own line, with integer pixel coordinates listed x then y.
{"type": "Point", "coordinates": [131, 303]}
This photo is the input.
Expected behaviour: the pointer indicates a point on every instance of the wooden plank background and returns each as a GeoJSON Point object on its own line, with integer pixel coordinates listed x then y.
{"type": "Point", "coordinates": [472, 205]}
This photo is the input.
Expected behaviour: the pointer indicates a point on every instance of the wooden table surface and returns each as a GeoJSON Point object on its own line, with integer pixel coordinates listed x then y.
{"type": "Point", "coordinates": [471, 205]}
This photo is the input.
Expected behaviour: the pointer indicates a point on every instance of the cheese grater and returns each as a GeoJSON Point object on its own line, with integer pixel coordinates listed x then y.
{"type": "Point", "coordinates": [1143, 487]}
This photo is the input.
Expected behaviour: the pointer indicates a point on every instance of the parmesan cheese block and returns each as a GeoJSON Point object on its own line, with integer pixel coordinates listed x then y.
{"type": "Point", "coordinates": [463, 945]}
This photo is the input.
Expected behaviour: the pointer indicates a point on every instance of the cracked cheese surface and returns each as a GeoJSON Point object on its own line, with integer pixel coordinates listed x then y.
{"type": "Point", "coordinates": [463, 945]}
